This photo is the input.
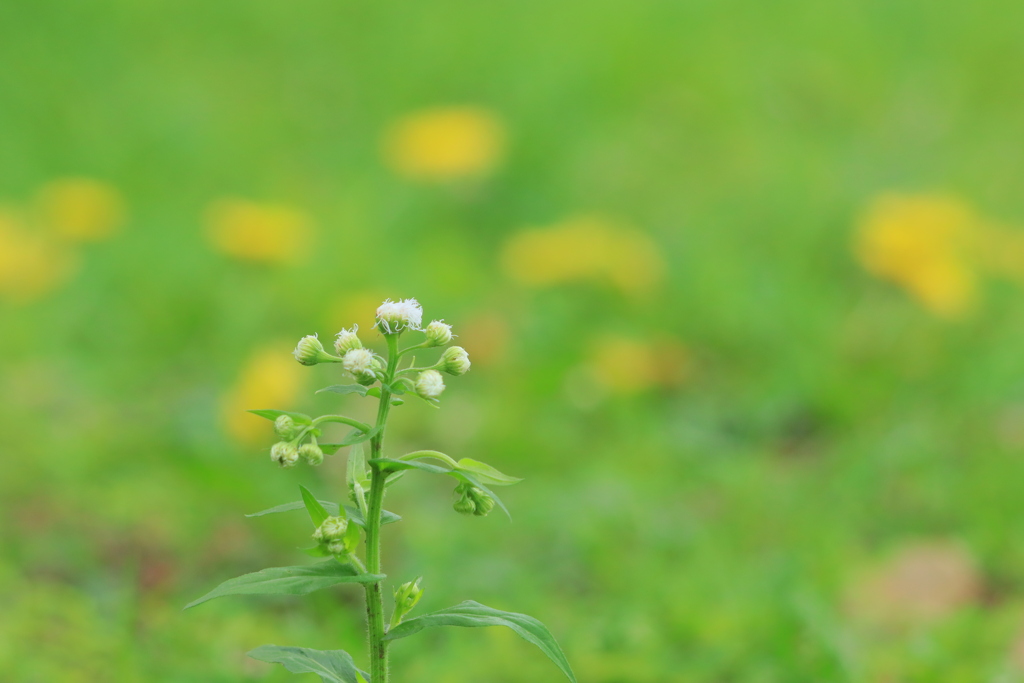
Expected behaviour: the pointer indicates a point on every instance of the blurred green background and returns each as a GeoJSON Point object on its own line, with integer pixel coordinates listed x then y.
{"type": "Point", "coordinates": [740, 281]}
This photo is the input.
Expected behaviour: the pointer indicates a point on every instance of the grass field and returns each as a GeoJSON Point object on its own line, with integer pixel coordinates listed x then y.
{"type": "Point", "coordinates": [741, 283]}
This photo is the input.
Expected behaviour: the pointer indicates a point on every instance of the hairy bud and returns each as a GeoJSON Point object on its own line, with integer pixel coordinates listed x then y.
{"type": "Point", "coordinates": [438, 333]}
{"type": "Point", "coordinates": [285, 427]}
{"type": "Point", "coordinates": [309, 351]}
{"type": "Point", "coordinates": [347, 340]}
{"type": "Point", "coordinates": [311, 453]}
{"type": "Point", "coordinates": [284, 454]}
{"type": "Point", "coordinates": [430, 384]}
{"type": "Point", "coordinates": [332, 529]}
{"type": "Point", "coordinates": [455, 361]}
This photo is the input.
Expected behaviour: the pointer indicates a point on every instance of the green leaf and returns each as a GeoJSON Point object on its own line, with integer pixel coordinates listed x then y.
{"type": "Point", "coordinates": [289, 581]}
{"type": "Point", "coordinates": [472, 614]}
{"type": "Point", "coordinates": [319, 550]}
{"type": "Point", "coordinates": [353, 512]}
{"type": "Point", "coordinates": [486, 473]}
{"type": "Point", "coordinates": [332, 666]}
{"type": "Point", "coordinates": [355, 468]}
{"type": "Point", "coordinates": [344, 389]}
{"type": "Point", "coordinates": [274, 414]}
{"type": "Point", "coordinates": [316, 511]}
{"type": "Point", "coordinates": [352, 537]}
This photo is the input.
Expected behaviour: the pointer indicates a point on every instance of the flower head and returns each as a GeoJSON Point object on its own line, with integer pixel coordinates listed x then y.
{"type": "Point", "coordinates": [332, 529]}
{"type": "Point", "coordinates": [309, 350]}
{"type": "Point", "coordinates": [359, 362]}
{"type": "Point", "coordinates": [285, 427]}
{"type": "Point", "coordinates": [395, 316]}
{"type": "Point", "coordinates": [311, 453]}
{"type": "Point", "coordinates": [347, 340]}
{"type": "Point", "coordinates": [438, 333]}
{"type": "Point", "coordinates": [430, 384]}
{"type": "Point", "coordinates": [455, 361]}
{"type": "Point", "coordinates": [284, 454]}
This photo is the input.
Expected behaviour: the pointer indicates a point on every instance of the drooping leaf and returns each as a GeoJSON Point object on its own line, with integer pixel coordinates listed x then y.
{"type": "Point", "coordinates": [274, 414]}
{"type": "Point", "coordinates": [344, 389]}
{"type": "Point", "coordinates": [353, 512]}
{"type": "Point", "coordinates": [332, 666]}
{"type": "Point", "coordinates": [473, 614]}
{"type": "Point", "coordinates": [317, 513]}
{"type": "Point", "coordinates": [486, 473]}
{"type": "Point", "coordinates": [289, 581]}
{"type": "Point", "coordinates": [392, 465]}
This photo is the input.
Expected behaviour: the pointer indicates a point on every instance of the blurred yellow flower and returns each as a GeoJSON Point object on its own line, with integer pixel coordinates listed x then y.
{"type": "Point", "coordinates": [81, 209]}
{"type": "Point", "coordinates": [31, 264]}
{"type": "Point", "coordinates": [445, 143]}
{"type": "Point", "coordinates": [923, 243]}
{"type": "Point", "coordinates": [359, 308]}
{"type": "Point", "coordinates": [265, 233]}
{"type": "Point", "coordinates": [270, 379]}
{"type": "Point", "coordinates": [584, 248]}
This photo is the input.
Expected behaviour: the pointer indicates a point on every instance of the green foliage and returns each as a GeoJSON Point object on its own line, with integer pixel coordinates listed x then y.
{"type": "Point", "coordinates": [473, 614]}
{"type": "Point", "coordinates": [289, 581]}
{"type": "Point", "coordinates": [333, 666]}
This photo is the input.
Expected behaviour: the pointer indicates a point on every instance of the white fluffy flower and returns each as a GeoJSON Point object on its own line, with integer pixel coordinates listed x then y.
{"type": "Point", "coordinates": [395, 316]}
{"type": "Point", "coordinates": [359, 362]}
{"type": "Point", "coordinates": [430, 384]}
{"type": "Point", "coordinates": [347, 340]}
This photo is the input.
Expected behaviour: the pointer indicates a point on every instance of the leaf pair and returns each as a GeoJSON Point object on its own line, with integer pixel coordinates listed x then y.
{"type": "Point", "coordinates": [467, 471]}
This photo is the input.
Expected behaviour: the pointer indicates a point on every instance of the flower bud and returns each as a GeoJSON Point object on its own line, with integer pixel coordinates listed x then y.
{"type": "Point", "coordinates": [332, 529]}
{"type": "Point", "coordinates": [337, 548]}
{"type": "Point", "coordinates": [347, 340]}
{"type": "Point", "coordinates": [360, 363]}
{"type": "Point", "coordinates": [393, 317]}
{"type": "Point", "coordinates": [285, 427]}
{"type": "Point", "coordinates": [284, 454]}
{"type": "Point", "coordinates": [430, 384]}
{"type": "Point", "coordinates": [483, 502]}
{"type": "Point", "coordinates": [455, 360]}
{"type": "Point", "coordinates": [438, 333]}
{"type": "Point", "coordinates": [309, 351]}
{"type": "Point", "coordinates": [311, 453]}
{"type": "Point", "coordinates": [464, 505]}
{"type": "Point", "coordinates": [406, 597]}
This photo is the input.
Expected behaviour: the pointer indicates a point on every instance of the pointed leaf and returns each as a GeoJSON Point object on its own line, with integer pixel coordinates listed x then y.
{"type": "Point", "coordinates": [474, 614]}
{"type": "Point", "coordinates": [355, 468]}
{"type": "Point", "coordinates": [332, 666]}
{"type": "Point", "coordinates": [316, 511]}
{"type": "Point", "coordinates": [289, 581]}
{"type": "Point", "coordinates": [353, 513]}
{"type": "Point", "coordinates": [392, 465]}
{"type": "Point", "coordinates": [274, 414]}
{"type": "Point", "coordinates": [344, 389]}
{"type": "Point", "coordinates": [318, 550]}
{"type": "Point", "coordinates": [486, 473]}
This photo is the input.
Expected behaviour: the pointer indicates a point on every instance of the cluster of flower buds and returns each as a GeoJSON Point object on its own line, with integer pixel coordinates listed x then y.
{"type": "Point", "coordinates": [330, 535]}
{"type": "Point", "coordinates": [287, 452]}
{"type": "Point", "coordinates": [472, 501]}
{"type": "Point", "coordinates": [406, 597]}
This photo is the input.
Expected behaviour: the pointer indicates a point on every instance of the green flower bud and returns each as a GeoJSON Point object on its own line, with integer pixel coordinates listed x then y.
{"type": "Point", "coordinates": [465, 506]}
{"type": "Point", "coordinates": [430, 384]}
{"type": "Point", "coordinates": [284, 454]}
{"type": "Point", "coordinates": [332, 529]}
{"type": "Point", "coordinates": [438, 333]}
{"type": "Point", "coordinates": [347, 340]}
{"type": "Point", "coordinates": [311, 453]}
{"type": "Point", "coordinates": [309, 351]}
{"type": "Point", "coordinates": [337, 548]}
{"type": "Point", "coordinates": [483, 503]}
{"type": "Point", "coordinates": [455, 360]}
{"type": "Point", "coordinates": [406, 597]}
{"type": "Point", "coordinates": [285, 427]}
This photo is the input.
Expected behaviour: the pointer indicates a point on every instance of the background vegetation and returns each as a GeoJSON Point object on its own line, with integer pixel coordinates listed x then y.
{"type": "Point", "coordinates": [740, 281]}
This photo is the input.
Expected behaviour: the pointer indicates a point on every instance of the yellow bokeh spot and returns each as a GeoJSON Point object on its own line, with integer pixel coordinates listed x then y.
{"type": "Point", "coordinates": [271, 378]}
{"type": "Point", "coordinates": [356, 308]}
{"type": "Point", "coordinates": [584, 248]}
{"type": "Point", "coordinates": [925, 244]}
{"type": "Point", "coordinates": [445, 143]}
{"type": "Point", "coordinates": [264, 233]}
{"type": "Point", "coordinates": [81, 209]}
{"type": "Point", "coordinates": [629, 365]}
{"type": "Point", "coordinates": [32, 265]}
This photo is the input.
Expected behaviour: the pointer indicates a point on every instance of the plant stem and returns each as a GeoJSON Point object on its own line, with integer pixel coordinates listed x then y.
{"type": "Point", "coordinates": [374, 596]}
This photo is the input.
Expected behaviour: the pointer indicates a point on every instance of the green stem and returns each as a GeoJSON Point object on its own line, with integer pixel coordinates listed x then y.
{"type": "Point", "coordinates": [374, 591]}
{"type": "Point", "coordinates": [436, 455]}
{"type": "Point", "coordinates": [361, 426]}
